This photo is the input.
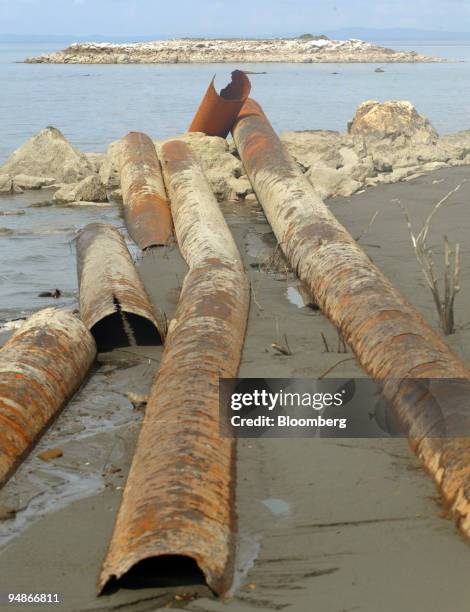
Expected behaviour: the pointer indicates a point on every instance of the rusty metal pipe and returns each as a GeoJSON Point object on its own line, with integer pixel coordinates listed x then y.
{"type": "Point", "coordinates": [178, 500]}
{"type": "Point", "coordinates": [146, 208]}
{"type": "Point", "coordinates": [41, 367]}
{"type": "Point", "coordinates": [113, 302]}
{"type": "Point", "coordinates": [217, 113]}
{"type": "Point", "coordinates": [389, 337]}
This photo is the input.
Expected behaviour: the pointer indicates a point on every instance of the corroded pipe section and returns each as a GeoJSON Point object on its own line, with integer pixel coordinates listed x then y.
{"type": "Point", "coordinates": [41, 367]}
{"type": "Point", "coordinates": [217, 113]}
{"type": "Point", "coordinates": [146, 208]}
{"type": "Point", "coordinates": [178, 501]}
{"type": "Point", "coordinates": [113, 302]}
{"type": "Point", "coordinates": [389, 337]}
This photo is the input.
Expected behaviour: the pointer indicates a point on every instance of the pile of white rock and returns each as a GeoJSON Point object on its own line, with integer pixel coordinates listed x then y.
{"type": "Point", "coordinates": [201, 51]}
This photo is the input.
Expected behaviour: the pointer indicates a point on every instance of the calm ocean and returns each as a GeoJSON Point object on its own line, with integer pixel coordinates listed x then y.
{"type": "Point", "coordinates": [94, 105]}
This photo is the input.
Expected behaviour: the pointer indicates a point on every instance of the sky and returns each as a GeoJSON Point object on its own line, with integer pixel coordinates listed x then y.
{"type": "Point", "coordinates": [167, 18]}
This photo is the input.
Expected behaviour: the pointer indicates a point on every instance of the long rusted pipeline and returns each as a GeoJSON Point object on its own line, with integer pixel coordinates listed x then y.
{"type": "Point", "coordinates": [389, 337]}
{"type": "Point", "coordinates": [41, 366]}
{"type": "Point", "coordinates": [178, 501]}
{"type": "Point", "coordinates": [146, 208]}
{"type": "Point", "coordinates": [113, 302]}
{"type": "Point", "coordinates": [217, 113]}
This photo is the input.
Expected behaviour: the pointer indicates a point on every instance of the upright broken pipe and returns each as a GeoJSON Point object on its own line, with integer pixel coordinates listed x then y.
{"type": "Point", "coordinates": [217, 113]}
{"type": "Point", "coordinates": [178, 501]}
{"type": "Point", "coordinates": [389, 337]}
{"type": "Point", "coordinates": [41, 367]}
{"type": "Point", "coordinates": [113, 302]}
{"type": "Point", "coordinates": [146, 208]}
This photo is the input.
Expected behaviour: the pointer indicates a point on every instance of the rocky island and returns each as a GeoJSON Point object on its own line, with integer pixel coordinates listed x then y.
{"type": "Point", "coordinates": [305, 49]}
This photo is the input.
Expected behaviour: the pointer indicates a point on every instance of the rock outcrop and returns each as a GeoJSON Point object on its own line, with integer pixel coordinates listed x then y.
{"type": "Point", "coordinates": [392, 121]}
{"type": "Point", "coordinates": [48, 155]}
{"type": "Point", "coordinates": [90, 189]}
{"type": "Point", "coordinates": [222, 168]}
{"type": "Point", "coordinates": [293, 50]}
{"type": "Point", "coordinates": [385, 143]}
{"type": "Point", "coordinates": [6, 184]}
{"type": "Point", "coordinates": [24, 181]}
{"type": "Point", "coordinates": [109, 169]}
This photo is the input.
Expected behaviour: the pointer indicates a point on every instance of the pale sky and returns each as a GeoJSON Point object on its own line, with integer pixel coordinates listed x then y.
{"type": "Point", "coordinates": [169, 18]}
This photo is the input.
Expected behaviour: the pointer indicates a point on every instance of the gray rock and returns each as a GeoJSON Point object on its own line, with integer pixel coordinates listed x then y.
{"type": "Point", "coordinates": [96, 160]}
{"type": "Point", "coordinates": [116, 195]}
{"type": "Point", "coordinates": [33, 182]}
{"type": "Point", "coordinates": [90, 189]}
{"type": "Point", "coordinates": [6, 184]}
{"type": "Point", "coordinates": [316, 148]}
{"type": "Point", "coordinates": [109, 169]}
{"type": "Point", "coordinates": [395, 121]}
{"type": "Point", "coordinates": [240, 188]}
{"type": "Point", "coordinates": [330, 183]}
{"type": "Point", "coordinates": [48, 155]}
{"type": "Point", "coordinates": [386, 143]}
{"type": "Point", "coordinates": [222, 168]}
{"type": "Point", "coordinates": [458, 145]}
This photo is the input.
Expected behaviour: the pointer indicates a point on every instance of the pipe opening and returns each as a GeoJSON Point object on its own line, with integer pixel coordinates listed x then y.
{"type": "Point", "coordinates": [124, 328]}
{"type": "Point", "coordinates": [162, 571]}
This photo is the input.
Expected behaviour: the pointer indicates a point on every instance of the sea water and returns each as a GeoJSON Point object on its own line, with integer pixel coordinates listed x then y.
{"type": "Point", "coordinates": [95, 104]}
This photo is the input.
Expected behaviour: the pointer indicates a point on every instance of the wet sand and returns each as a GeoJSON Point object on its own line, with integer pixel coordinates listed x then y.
{"type": "Point", "coordinates": [332, 525]}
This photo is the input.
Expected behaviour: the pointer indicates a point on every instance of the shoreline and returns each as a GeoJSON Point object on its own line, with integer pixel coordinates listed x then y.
{"type": "Point", "coordinates": [368, 495]}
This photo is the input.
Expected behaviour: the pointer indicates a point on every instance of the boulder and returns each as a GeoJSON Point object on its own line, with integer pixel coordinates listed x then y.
{"type": "Point", "coordinates": [90, 189]}
{"type": "Point", "coordinates": [221, 166]}
{"type": "Point", "coordinates": [398, 122]}
{"type": "Point", "coordinates": [316, 148]}
{"type": "Point", "coordinates": [96, 160]}
{"type": "Point", "coordinates": [394, 136]}
{"type": "Point", "coordinates": [6, 184]}
{"type": "Point", "coordinates": [109, 168]}
{"type": "Point", "coordinates": [386, 158]}
{"type": "Point", "coordinates": [330, 183]}
{"type": "Point", "coordinates": [48, 154]}
{"type": "Point", "coordinates": [240, 188]}
{"type": "Point", "coordinates": [33, 182]}
{"type": "Point", "coordinates": [458, 144]}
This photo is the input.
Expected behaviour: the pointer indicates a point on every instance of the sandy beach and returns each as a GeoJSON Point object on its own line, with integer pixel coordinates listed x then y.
{"type": "Point", "coordinates": [345, 524]}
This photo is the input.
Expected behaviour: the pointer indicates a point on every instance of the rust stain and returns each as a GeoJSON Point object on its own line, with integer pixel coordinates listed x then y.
{"type": "Point", "coordinates": [390, 338]}
{"type": "Point", "coordinates": [41, 367]}
{"type": "Point", "coordinates": [178, 500]}
{"type": "Point", "coordinates": [113, 302]}
{"type": "Point", "coordinates": [217, 113]}
{"type": "Point", "coordinates": [146, 208]}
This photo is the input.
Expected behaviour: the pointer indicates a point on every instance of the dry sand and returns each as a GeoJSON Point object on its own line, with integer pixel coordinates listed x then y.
{"type": "Point", "coordinates": [327, 525]}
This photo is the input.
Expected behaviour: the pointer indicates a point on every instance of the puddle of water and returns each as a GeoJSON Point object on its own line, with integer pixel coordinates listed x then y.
{"type": "Point", "coordinates": [37, 249]}
{"type": "Point", "coordinates": [276, 506]}
{"type": "Point", "coordinates": [294, 297]}
{"type": "Point", "coordinates": [101, 407]}
{"type": "Point", "coordinates": [248, 549]}
{"type": "Point", "coordinates": [69, 486]}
